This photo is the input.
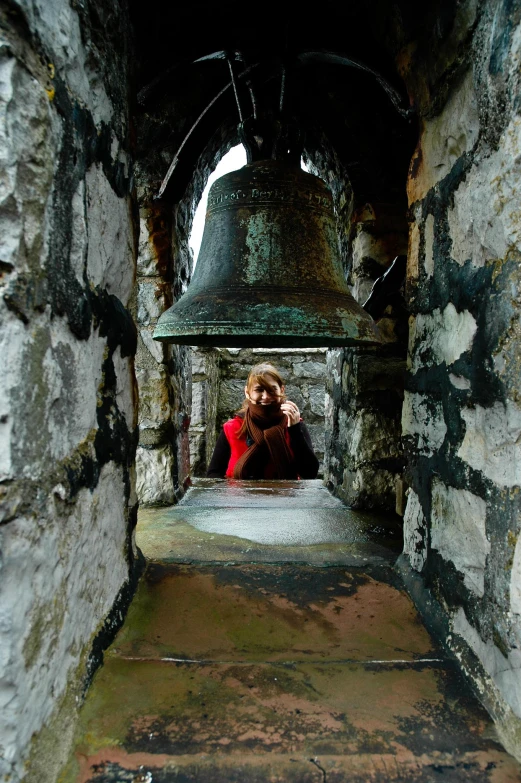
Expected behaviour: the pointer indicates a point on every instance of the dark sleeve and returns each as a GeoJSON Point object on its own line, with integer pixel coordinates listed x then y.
{"type": "Point", "coordinates": [305, 459]}
{"type": "Point", "coordinates": [220, 458]}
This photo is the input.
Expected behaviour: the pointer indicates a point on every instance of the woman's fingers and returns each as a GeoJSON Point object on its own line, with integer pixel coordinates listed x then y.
{"type": "Point", "coordinates": [291, 410]}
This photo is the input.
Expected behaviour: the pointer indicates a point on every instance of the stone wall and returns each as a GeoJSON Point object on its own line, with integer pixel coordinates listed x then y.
{"type": "Point", "coordinates": [67, 415]}
{"type": "Point", "coordinates": [205, 399]}
{"type": "Point", "coordinates": [462, 410]}
{"type": "Point", "coordinates": [164, 267]}
{"type": "Point", "coordinates": [364, 462]}
{"type": "Point", "coordinates": [220, 377]}
{"type": "Point", "coordinates": [162, 371]}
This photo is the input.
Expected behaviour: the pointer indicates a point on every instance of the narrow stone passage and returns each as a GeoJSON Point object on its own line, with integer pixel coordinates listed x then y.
{"type": "Point", "coordinates": [271, 640]}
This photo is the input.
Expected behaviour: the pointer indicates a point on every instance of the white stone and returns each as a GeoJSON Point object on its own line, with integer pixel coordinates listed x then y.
{"type": "Point", "coordinates": [110, 256]}
{"type": "Point", "coordinates": [78, 252]}
{"type": "Point", "coordinates": [429, 245]}
{"type": "Point", "coordinates": [149, 304]}
{"type": "Point", "coordinates": [154, 403]}
{"type": "Point", "coordinates": [125, 387]}
{"type": "Point", "coordinates": [459, 382]}
{"type": "Point", "coordinates": [515, 580]}
{"type": "Point", "coordinates": [413, 531]}
{"type": "Point", "coordinates": [492, 442]}
{"type": "Point", "coordinates": [146, 257]}
{"type": "Point", "coordinates": [485, 223]}
{"type": "Point", "coordinates": [373, 437]}
{"type": "Point", "coordinates": [316, 370]}
{"type": "Point", "coordinates": [445, 138]}
{"type": "Point", "coordinates": [198, 363]}
{"type": "Point", "coordinates": [199, 403]}
{"type": "Point", "coordinates": [154, 347]}
{"type": "Point", "coordinates": [361, 289]}
{"type": "Point", "coordinates": [50, 604]}
{"type": "Point", "coordinates": [503, 671]}
{"type": "Point", "coordinates": [50, 389]}
{"type": "Point", "coordinates": [442, 336]}
{"type": "Point", "coordinates": [458, 532]}
{"type": "Point", "coordinates": [154, 476]}
{"type": "Point", "coordinates": [422, 416]}
{"type": "Point", "coordinates": [58, 28]}
{"type": "Point", "coordinates": [27, 151]}
{"type": "Point", "coordinates": [368, 481]}
{"type": "Point", "coordinates": [317, 399]}
{"type": "Point", "coordinates": [366, 245]}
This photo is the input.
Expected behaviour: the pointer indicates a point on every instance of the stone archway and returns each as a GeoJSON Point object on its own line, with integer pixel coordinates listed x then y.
{"type": "Point", "coordinates": [74, 77]}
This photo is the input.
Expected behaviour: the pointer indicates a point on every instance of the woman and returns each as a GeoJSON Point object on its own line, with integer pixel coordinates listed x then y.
{"type": "Point", "coordinates": [266, 439]}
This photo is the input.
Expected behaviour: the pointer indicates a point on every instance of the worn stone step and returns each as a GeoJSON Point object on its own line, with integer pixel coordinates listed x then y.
{"type": "Point", "coordinates": [478, 767]}
{"type": "Point", "coordinates": [333, 535]}
{"type": "Point", "coordinates": [261, 494]}
{"type": "Point", "coordinates": [147, 716]}
{"type": "Point", "coordinates": [272, 613]}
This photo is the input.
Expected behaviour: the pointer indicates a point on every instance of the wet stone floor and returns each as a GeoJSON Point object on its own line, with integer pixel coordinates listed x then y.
{"type": "Point", "coordinates": [270, 641]}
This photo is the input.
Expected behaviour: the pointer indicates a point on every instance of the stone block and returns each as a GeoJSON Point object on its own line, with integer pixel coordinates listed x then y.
{"type": "Point", "coordinates": [444, 139]}
{"type": "Point", "coordinates": [316, 432]}
{"type": "Point", "coordinates": [150, 302]}
{"type": "Point", "coordinates": [231, 395]}
{"type": "Point", "coordinates": [198, 363]}
{"type": "Point", "coordinates": [380, 248]}
{"type": "Point", "coordinates": [375, 373]}
{"type": "Point", "coordinates": [485, 223]}
{"type": "Point", "coordinates": [428, 238]}
{"type": "Point", "coordinates": [110, 255]}
{"type": "Point", "coordinates": [492, 442]}
{"type": "Point", "coordinates": [515, 580]}
{"type": "Point", "coordinates": [126, 398]}
{"type": "Point", "coordinates": [414, 532]}
{"type": "Point", "coordinates": [29, 147]}
{"type": "Point", "coordinates": [315, 370]}
{"type": "Point", "coordinates": [458, 532]}
{"type": "Point", "coordinates": [79, 242]}
{"type": "Point", "coordinates": [199, 403]}
{"type": "Point", "coordinates": [374, 437]}
{"type": "Point", "coordinates": [441, 336]}
{"type": "Point", "coordinates": [154, 348]}
{"type": "Point", "coordinates": [361, 289]}
{"type": "Point", "coordinates": [51, 385]}
{"type": "Point", "coordinates": [317, 399]}
{"type": "Point", "coordinates": [422, 419]}
{"type": "Point", "coordinates": [155, 411]}
{"type": "Point", "coordinates": [47, 595]}
{"type": "Point", "coordinates": [154, 474]}
{"type": "Point", "coordinates": [294, 393]}
{"type": "Point", "coordinates": [413, 255]}
{"type": "Point", "coordinates": [369, 488]}
{"type": "Point", "coordinates": [146, 256]}
{"type": "Point", "coordinates": [503, 670]}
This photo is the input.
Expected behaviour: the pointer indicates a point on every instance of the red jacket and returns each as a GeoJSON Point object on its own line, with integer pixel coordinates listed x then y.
{"type": "Point", "coordinates": [238, 446]}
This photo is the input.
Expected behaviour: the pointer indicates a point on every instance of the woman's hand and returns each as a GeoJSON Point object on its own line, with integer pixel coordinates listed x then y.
{"type": "Point", "coordinates": [291, 411]}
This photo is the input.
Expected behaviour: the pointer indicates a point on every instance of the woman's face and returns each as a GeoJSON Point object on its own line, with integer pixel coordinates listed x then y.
{"type": "Point", "coordinates": [267, 394]}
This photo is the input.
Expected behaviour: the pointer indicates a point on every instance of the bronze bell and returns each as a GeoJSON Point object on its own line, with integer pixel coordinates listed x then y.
{"type": "Point", "coordinates": [269, 271]}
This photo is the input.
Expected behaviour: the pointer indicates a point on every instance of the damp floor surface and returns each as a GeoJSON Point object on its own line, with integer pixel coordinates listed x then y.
{"type": "Point", "coordinates": [271, 641]}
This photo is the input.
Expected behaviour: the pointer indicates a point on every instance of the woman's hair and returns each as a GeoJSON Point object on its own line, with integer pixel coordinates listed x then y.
{"type": "Point", "coordinates": [258, 375]}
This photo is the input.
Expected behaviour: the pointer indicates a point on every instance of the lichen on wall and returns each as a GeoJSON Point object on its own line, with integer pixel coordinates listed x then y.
{"type": "Point", "coordinates": [462, 413]}
{"type": "Point", "coordinates": [67, 341]}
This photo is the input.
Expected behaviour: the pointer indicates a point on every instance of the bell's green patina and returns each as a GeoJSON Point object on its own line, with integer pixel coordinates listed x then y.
{"type": "Point", "coordinates": [269, 271]}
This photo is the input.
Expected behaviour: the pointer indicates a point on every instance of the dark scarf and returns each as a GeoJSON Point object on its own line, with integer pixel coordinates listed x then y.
{"type": "Point", "coordinates": [266, 425]}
